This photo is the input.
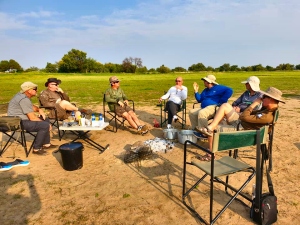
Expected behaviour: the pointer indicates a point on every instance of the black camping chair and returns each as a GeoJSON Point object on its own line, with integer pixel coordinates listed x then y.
{"type": "Point", "coordinates": [9, 126]}
{"type": "Point", "coordinates": [181, 114]}
{"type": "Point", "coordinates": [118, 121]}
{"type": "Point", "coordinates": [223, 167]}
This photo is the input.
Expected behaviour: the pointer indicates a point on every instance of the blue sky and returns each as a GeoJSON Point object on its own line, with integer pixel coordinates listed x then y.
{"type": "Point", "coordinates": [169, 32]}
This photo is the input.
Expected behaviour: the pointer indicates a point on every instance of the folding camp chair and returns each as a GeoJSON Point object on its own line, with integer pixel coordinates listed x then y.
{"type": "Point", "coordinates": [55, 120]}
{"type": "Point", "coordinates": [113, 114]}
{"type": "Point", "coordinates": [271, 136]}
{"type": "Point", "coordinates": [225, 166]}
{"type": "Point", "coordinates": [164, 113]}
{"type": "Point", "coordinates": [9, 125]}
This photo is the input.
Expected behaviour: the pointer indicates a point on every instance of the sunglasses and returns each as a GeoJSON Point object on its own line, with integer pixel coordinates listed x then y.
{"type": "Point", "coordinates": [178, 80]}
{"type": "Point", "coordinates": [35, 89]}
{"type": "Point", "coordinates": [115, 82]}
{"type": "Point", "coordinates": [265, 96]}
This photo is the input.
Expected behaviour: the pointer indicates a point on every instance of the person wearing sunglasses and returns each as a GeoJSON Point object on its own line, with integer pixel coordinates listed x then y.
{"type": "Point", "coordinates": [20, 105]}
{"type": "Point", "coordinates": [118, 101]}
{"type": "Point", "coordinates": [54, 96]}
{"type": "Point", "coordinates": [249, 119]}
{"type": "Point", "coordinates": [175, 95]}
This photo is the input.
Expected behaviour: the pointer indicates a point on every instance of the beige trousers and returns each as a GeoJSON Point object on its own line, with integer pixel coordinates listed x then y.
{"type": "Point", "coordinates": [200, 117]}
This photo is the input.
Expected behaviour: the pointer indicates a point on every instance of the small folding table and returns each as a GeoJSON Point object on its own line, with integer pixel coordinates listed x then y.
{"type": "Point", "coordinates": [81, 133]}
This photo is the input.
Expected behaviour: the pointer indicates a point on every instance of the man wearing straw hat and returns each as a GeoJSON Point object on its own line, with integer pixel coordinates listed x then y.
{"type": "Point", "coordinates": [249, 119]}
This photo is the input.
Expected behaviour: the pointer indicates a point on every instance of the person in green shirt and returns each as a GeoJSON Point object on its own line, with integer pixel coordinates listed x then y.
{"type": "Point", "coordinates": [117, 100]}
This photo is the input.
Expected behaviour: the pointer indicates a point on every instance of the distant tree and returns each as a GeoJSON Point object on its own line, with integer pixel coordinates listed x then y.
{"type": "Point", "coordinates": [110, 68]}
{"type": "Point", "coordinates": [234, 68]}
{"type": "Point", "coordinates": [31, 69]}
{"type": "Point", "coordinates": [197, 67]}
{"type": "Point", "coordinates": [130, 64]}
{"type": "Point", "coordinates": [141, 70]}
{"type": "Point", "coordinates": [209, 68]}
{"type": "Point", "coordinates": [51, 68]}
{"type": "Point", "coordinates": [15, 65]}
{"type": "Point", "coordinates": [73, 62]}
{"type": "Point", "coordinates": [270, 68]}
{"type": "Point", "coordinates": [297, 67]}
{"type": "Point", "coordinates": [258, 67]}
{"type": "Point", "coordinates": [179, 69]}
{"type": "Point", "coordinates": [224, 67]}
{"type": "Point", "coordinates": [286, 66]}
{"type": "Point", "coordinates": [163, 69]}
{"type": "Point", "coordinates": [152, 70]}
{"type": "Point", "coordinates": [4, 65]}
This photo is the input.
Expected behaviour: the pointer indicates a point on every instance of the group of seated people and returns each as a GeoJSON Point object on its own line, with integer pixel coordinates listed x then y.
{"type": "Point", "coordinates": [253, 109]}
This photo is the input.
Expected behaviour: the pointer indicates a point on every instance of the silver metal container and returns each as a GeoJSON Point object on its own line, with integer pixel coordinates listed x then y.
{"type": "Point", "coordinates": [184, 135]}
{"type": "Point", "coordinates": [170, 134]}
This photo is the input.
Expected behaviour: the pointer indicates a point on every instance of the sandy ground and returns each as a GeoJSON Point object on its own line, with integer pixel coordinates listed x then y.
{"type": "Point", "coordinates": [108, 191]}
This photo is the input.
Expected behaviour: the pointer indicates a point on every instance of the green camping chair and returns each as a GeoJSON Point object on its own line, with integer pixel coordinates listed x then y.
{"type": "Point", "coordinates": [223, 167]}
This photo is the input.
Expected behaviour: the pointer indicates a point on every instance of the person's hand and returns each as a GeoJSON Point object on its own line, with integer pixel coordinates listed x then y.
{"type": "Point", "coordinates": [126, 102]}
{"type": "Point", "coordinates": [42, 114]}
{"type": "Point", "coordinates": [121, 103]}
{"type": "Point", "coordinates": [237, 109]}
{"type": "Point", "coordinates": [160, 100]}
{"type": "Point", "coordinates": [256, 102]}
{"type": "Point", "coordinates": [60, 90]}
{"type": "Point", "coordinates": [196, 87]}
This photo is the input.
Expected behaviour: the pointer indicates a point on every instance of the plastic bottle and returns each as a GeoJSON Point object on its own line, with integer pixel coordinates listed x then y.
{"type": "Point", "coordinates": [73, 115]}
{"type": "Point", "coordinates": [101, 121]}
{"type": "Point", "coordinates": [253, 191]}
{"type": "Point", "coordinates": [93, 117]}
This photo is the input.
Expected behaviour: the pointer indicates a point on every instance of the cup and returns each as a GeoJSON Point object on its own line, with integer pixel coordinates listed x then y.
{"type": "Point", "coordinates": [82, 122]}
{"type": "Point", "coordinates": [88, 122]}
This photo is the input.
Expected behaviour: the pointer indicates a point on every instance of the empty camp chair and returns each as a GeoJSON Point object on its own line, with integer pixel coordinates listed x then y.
{"type": "Point", "coordinates": [181, 114]}
{"type": "Point", "coordinates": [223, 167]}
{"type": "Point", "coordinates": [11, 127]}
{"type": "Point", "coordinates": [118, 121]}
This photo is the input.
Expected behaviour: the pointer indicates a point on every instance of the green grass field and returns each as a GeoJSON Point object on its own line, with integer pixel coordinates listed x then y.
{"type": "Point", "coordinates": [87, 89]}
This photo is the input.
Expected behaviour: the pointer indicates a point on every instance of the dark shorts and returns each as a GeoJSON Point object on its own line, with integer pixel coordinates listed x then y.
{"type": "Point", "coordinates": [120, 110]}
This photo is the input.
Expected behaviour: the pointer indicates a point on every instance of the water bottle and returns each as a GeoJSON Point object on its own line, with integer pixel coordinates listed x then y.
{"type": "Point", "coordinates": [73, 115]}
{"type": "Point", "coordinates": [93, 117]}
{"type": "Point", "coordinates": [101, 121]}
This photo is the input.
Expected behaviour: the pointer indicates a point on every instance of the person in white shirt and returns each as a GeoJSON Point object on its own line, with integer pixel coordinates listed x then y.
{"type": "Point", "coordinates": [175, 95]}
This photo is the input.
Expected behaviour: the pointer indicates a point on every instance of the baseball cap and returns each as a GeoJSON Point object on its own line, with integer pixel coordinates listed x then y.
{"type": "Point", "coordinates": [27, 86]}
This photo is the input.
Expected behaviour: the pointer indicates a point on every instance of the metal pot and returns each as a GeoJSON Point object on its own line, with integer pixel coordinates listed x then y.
{"type": "Point", "coordinates": [170, 134]}
{"type": "Point", "coordinates": [184, 135]}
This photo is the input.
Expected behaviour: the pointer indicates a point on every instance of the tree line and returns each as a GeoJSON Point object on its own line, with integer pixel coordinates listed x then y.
{"type": "Point", "coordinates": [76, 61]}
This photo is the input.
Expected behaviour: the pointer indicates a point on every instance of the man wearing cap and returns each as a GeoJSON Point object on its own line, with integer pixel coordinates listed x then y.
{"type": "Point", "coordinates": [252, 93]}
{"type": "Point", "coordinates": [250, 119]}
{"type": "Point", "coordinates": [117, 100]}
{"type": "Point", "coordinates": [20, 105]}
{"type": "Point", "coordinates": [54, 96]}
{"type": "Point", "coordinates": [212, 96]}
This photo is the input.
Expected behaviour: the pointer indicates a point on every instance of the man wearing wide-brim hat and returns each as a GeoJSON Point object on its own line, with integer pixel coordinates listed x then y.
{"type": "Point", "coordinates": [54, 96]}
{"type": "Point", "coordinates": [250, 119]}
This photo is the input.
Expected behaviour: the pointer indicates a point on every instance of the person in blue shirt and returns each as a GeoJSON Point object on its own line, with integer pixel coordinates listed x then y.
{"type": "Point", "coordinates": [212, 96]}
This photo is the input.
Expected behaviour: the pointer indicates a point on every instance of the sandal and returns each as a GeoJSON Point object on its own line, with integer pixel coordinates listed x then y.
{"type": "Point", "coordinates": [205, 130]}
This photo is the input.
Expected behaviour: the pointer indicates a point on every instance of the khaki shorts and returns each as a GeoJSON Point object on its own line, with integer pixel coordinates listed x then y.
{"type": "Point", "coordinates": [120, 110]}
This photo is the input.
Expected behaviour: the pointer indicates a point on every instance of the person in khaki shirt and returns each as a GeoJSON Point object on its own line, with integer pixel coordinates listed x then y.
{"type": "Point", "coordinates": [249, 119]}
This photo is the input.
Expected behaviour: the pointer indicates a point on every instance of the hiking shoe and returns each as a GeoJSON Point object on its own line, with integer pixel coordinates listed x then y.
{"type": "Point", "coordinates": [144, 130]}
{"type": "Point", "coordinates": [19, 162]}
{"type": "Point", "coordinates": [39, 152]}
{"type": "Point", "coordinates": [198, 135]}
{"type": "Point", "coordinates": [4, 166]}
{"type": "Point", "coordinates": [175, 119]}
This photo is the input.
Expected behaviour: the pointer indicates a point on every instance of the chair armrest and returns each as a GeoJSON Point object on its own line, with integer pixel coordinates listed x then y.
{"type": "Point", "coordinates": [195, 103]}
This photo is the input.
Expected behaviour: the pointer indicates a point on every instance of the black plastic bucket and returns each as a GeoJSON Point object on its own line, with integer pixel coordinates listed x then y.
{"type": "Point", "coordinates": [71, 155]}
